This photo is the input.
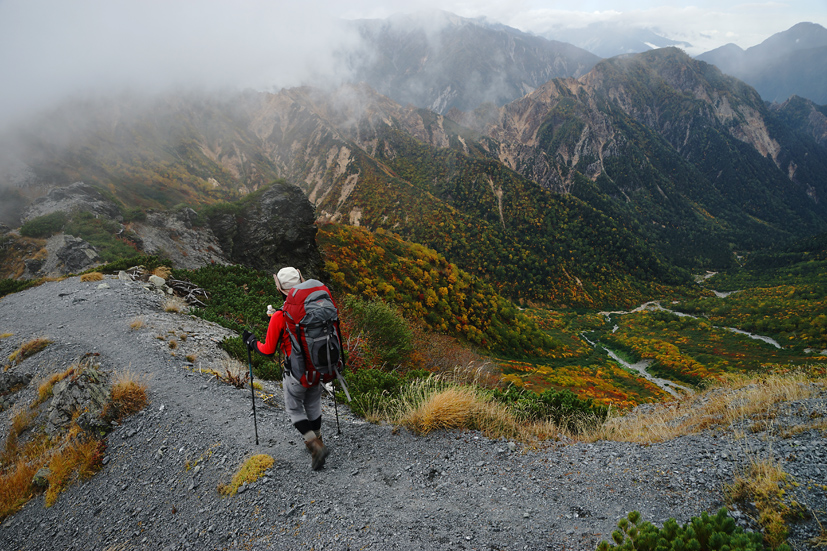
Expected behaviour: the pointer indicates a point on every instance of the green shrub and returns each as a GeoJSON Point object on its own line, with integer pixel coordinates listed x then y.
{"type": "Point", "coordinates": [238, 296]}
{"type": "Point", "coordinates": [134, 214]}
{"type": "Point", "coordinates": [44, 226]}
{"type": "Point", "coordinates": [563, 407]}
{"type": "Point", "coordinates": [238, 299]}
{"type": "Point", "coordinates": [101, 233]}
{"type": "Point", "coordinates": [9, 286]}
{"type": "Point", "coordinates": [389, 337]}
{"type": "Point", "coordinates": [370, 388]}
{"type": "Point", "coordinates": [699, 534]}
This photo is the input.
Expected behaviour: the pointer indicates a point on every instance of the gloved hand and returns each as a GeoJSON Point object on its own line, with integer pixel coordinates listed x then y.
{"type": "Point", "coordinates": [249, 339]}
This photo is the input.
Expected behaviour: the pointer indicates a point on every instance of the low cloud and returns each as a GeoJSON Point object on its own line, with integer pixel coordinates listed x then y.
{"type": "Point", "coordinates": [51, 49]}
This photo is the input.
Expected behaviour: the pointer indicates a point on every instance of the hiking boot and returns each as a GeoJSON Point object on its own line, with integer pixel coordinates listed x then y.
{"type": "Point", "coordinates": [319, 436]}
{"type": "Point", "coordinates": [318, 453]}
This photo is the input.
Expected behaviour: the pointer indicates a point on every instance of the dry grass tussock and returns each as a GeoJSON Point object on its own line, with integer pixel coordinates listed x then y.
{"type": "Point", "coordinates": [92, 276]}
{"type": "Point", "coordinates": [44, 391]}
{"type": "Point", "coordinates": [456, 400]}
{"type": "Point", "coordinates": [28, 349]}
{"type": "Point", "coordinates": [6, 335]}
{"type": "Point", "coordinates": [731, 400]}
{"type": "Point", "coordinates": [435, 404]}
{"type": "Point", "coordinates": [137, 323]}
{"type": "Point", "coordinates": [162, 271]}
{"type": "Point", "coordinates": [73, 455]}
{"type": "Point", "coordinates": [477, 372]}
{"type": "Point", "coordinates": [230, 371]}
{"type": "Point", "coordinates": [127, 396]}
{"type": "Point", "coordinates": [175, 304]}
{"type": "Point", "coordinates": [80, 456]}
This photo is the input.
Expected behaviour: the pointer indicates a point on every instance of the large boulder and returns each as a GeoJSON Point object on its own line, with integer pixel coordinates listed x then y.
{"type": "Point", "coordinates": [273, 229]}
{"type": "Point", "coordinates": [86, 392]}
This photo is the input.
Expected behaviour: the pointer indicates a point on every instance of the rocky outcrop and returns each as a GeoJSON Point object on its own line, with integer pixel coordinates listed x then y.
{"type": "Point", "coordinates": [273, 230]}
{"type": "Point", "coordinates": [75, 197]}
{"type": "Point", "coordinates": [174, 236]}
{"type": "Point", "coordinates": [87, 392]}
{"type": "Point", "coordinates": [65, 254]}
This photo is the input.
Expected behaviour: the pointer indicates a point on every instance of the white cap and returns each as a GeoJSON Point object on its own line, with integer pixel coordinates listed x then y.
{"type": "Point", "coordinates": [287, 278]}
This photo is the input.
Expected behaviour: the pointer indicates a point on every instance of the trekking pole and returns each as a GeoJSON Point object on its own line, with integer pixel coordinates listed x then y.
{"type": "Point", "coordinates": [333, 385]}
{"type": "Point", "coordinates": [252, 391]}
{"type": "Point", "coordinates": [336, 407]}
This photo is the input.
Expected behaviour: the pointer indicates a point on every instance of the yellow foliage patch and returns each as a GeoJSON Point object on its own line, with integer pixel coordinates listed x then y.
{"type": "Point", "coordinates": [250, 471]}
{"type": "Point", "coordinates": [81, 456]}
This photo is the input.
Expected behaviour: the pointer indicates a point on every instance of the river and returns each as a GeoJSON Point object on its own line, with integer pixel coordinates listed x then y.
{"type": "Point", "coordinates": [641, 366]}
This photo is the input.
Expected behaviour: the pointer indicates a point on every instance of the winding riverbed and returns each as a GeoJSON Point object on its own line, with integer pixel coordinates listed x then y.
{"type": "Point", "coordinates": [669, 386]}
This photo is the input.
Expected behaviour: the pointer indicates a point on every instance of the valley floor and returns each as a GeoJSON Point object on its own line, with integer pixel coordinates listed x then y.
{"type": "Point", "coordinates": [380, 489]}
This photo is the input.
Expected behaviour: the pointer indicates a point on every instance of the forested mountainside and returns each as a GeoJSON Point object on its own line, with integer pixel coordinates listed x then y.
{"type": "Point", "coordinates": [585, 190]}
{"type": "Point", "coordinates": [805, 116]}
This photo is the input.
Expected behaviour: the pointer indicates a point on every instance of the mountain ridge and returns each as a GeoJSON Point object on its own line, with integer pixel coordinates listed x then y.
{"type": "Point", "coordinates": [660, 151]}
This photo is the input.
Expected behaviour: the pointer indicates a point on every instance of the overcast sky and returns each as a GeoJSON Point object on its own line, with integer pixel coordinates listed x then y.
{"type": "Point", "coordinates": [53, 48]}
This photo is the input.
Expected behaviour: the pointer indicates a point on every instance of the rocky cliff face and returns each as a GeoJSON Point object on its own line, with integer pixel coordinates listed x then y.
{"type": "Point", "coordinates": [806, 116]}
{"type": "Point", "coordinates": [173, 235]}
{"type": "Point", "coordinates": [566, 121]}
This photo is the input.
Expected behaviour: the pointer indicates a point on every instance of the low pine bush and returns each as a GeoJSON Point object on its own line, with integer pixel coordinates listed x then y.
{"type": "Point", "coordinates": [44, 226]}
{"type": "Point", "coordinates": [699, 534]}
{"type": "Point", "coordinates": [388, 337]}
{"type": "Point", "coordinates": [373, 389]}
{"type": "Point", "coordinates": [564, 408]}
{"type": "Point", "coordinates": [9, 286]}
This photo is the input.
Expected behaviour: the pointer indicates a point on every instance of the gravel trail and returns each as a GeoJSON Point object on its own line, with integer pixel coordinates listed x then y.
{"type": "Point", "coordinates": [380, 489]}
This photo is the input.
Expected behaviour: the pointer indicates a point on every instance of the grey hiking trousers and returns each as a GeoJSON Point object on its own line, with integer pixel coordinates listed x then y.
{"type": "Point", "coordinates": [301, 403]}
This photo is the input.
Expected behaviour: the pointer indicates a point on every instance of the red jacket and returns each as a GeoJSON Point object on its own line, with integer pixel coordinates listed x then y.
{"type": "Point", "coordinates": [274, 329]}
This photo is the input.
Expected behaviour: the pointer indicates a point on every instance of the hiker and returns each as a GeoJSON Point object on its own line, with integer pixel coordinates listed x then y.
{"type": "Point", "coordinates": [306, 362]}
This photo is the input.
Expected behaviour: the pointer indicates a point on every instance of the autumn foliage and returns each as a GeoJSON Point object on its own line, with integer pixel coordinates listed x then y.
{"type": "Point", "coordinates": [427, 289]}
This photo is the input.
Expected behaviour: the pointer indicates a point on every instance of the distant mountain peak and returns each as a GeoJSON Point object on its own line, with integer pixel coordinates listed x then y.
{"type": "Point", "coordinates": [790, 62]}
